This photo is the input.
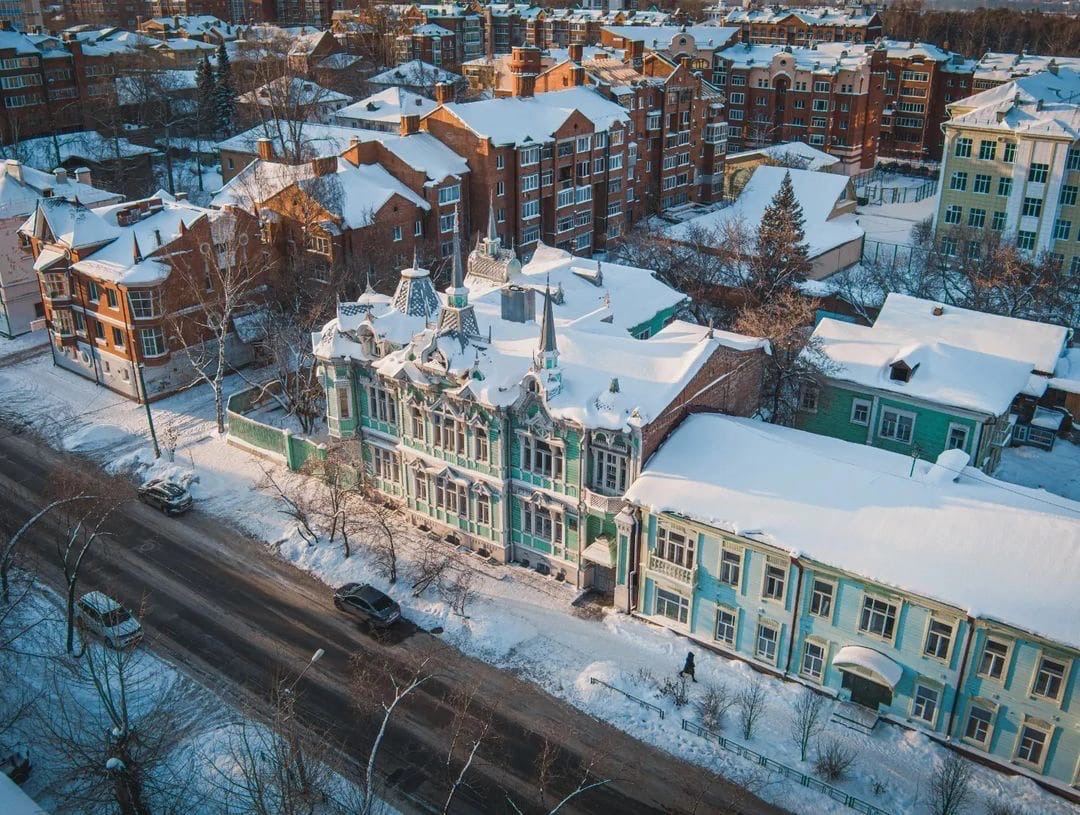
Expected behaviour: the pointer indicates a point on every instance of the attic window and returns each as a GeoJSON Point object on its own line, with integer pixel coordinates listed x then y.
{"type": "Point", "coordinates": [901, 371]}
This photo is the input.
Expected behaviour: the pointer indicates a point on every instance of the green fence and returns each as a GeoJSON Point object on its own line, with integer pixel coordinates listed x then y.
{"type": "Point", "coordinates": [802, 778]}
{"type": "Point", "coordinates": [294, 450]}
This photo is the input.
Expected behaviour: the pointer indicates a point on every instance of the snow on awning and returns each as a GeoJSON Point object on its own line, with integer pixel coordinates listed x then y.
{"type": "Point", "coordinates": [867, 660]}
{"type": "Point", "coordinates": [251, 327]}
{"type": "Point", "coordinates": [599, 552]}
{"type": "Point", "coordinates": [47, 258]}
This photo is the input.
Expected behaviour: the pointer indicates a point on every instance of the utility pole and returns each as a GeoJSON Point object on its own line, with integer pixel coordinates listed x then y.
{"type": "Point", "coordinates": [149, 415]}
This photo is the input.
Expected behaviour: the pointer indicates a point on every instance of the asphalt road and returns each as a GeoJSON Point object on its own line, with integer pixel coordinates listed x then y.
{"type": "Point", "coordinates": [226, 609]}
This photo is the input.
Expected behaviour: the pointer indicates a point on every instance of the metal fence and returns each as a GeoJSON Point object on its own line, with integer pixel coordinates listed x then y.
{"type": "Point", "coordinates": [873, 187]}
{"type": "Point", "coordinates": [802, 778]}
{"type": "Point", "coordinates": [896, 256]}
{"type": "Point", "coordinates": [647, 705]}
{"type": "Point", "coordinates": [294, 450]}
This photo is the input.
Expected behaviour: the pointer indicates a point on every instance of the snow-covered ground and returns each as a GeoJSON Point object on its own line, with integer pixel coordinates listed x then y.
{"type": "Point", "coordinates": [1056, 471]}
{"type": "Point", "coordinates": [892, 223]}
{"type": "Point", "coordinates": [21, 343]}
{"type": "Point", "coordinates": [519, 621]}
{"type": "Point", "coordinates": [58, 698]}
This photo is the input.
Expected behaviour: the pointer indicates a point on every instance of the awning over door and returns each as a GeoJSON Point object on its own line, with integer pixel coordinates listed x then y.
{"type": "Point", "coordinates": [599, 552]}
{"type": "Point", "coordinates": [870, 663]}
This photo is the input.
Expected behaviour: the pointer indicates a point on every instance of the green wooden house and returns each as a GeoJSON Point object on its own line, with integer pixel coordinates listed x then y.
{"type": "Point", "coordinates": [927, 378]}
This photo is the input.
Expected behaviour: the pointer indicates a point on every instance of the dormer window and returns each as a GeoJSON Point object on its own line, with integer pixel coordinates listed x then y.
{"type": "Point", "coordinates": [900, 371]}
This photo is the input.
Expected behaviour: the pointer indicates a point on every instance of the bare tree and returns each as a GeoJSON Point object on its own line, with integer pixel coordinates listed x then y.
{"type": "Point", "coordinates": [554, 767]}
{"type": "Point", "coordinates": [7, 555]}
{"type": "Point", "coordinates": [807, 720]}
{"type": "Point", "coordinates": [833, 758]}
{"type": "Point", "coordinates": [379, 515]}
{"type": "Point", "coordinates": [275, 763]}
{"type": "Point", "coordinates": [716, 700]}
{"type": "Point", "coordinates": [950, 785]}
{"type": "Point", "coordinates": [220, 282]}
{"type": "Point", "coordinates": [751, 702]}
{"type": "Point", "coordinates": [292, 492]}
{"type": "Point", "coordinates": [470, 728]}
{"type": "Point", "coordinates": [339, 492]}
{"type": "Point", "coordinates": [119, 740]}
{"type": "Point", "coordinates": [796, 361]}
{"type": "Point", "coordinates": [383, 688]}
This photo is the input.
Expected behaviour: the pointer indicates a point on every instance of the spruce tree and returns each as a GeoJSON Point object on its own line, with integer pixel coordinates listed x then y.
{"type": "Point", "coordinates": [781, 251]}
{"type": "Point", "coordinates": [206, 84]}
{"type": "Point", "coordinates": [224, 92]}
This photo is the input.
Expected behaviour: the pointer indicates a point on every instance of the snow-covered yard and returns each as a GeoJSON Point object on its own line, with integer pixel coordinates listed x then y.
{"type": "Point", "coordinates": [892, 223]}
{"type": "Point", "coordinates": [519, 621]}
{"type": "Point", "coordinates": [1056, 471]}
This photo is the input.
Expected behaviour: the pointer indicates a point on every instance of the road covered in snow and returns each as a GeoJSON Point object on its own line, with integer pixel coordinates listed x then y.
{"type": "Point", "coordinates": [519, 622]}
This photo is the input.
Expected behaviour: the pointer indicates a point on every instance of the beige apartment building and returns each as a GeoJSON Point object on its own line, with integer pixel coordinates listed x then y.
{"type": "Point", "coordinates": [1012, 164]}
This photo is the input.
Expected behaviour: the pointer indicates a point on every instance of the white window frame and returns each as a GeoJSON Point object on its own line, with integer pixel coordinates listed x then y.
{"type": "Point", "coordinates": [828, 615]}
{"type": "Point", "coordinates": [736, 565]}
{"type": "Point", "coordinates": [1041, 657]}
{"type": "Point", "coordinates": [382, 404]}
{"type": "Point", "coordinates": [156, 331]}
{"type": "Point", "coordinates": [918, 707]}
{"type": "Point", "coordinates": [868, 404]}
{"type": "Point", "coordinates": [1039, 726]}
{"type": "Point", "coordinates": [1005, 659]}
{"type": "Point", "coordinates": [783, 569]}
{"type": "Point", "coordinates": [681, 603]}
{"type": "Point", "coordinates": [816, 642]}
{"type": "Point", "coordinates": [734, 613]}
{"type": "Point", "coordinates": [672, 550]}
{"type": "Point", "coordinates": [929, 633]}
{"type": "Point", "coordinates": [774, 627]}
{"type": "Point", "coordinates": [983, 704]}
{"type": "Point", "coordinates": [895, 605]}
{"type": "Point", "coordinates": [948, 436]}
{"type": "Point", "coordinates": [899, 415]}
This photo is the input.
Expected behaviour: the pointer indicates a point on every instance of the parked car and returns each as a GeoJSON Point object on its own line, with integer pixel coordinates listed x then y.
{"type": "Point", "coordinates": [15, 763]}
{"type": "Point", "coordinates": [169, 497]}
{"type": "Point", "coordinates": [102, 615]}
{"type": "Point", "coordinates": [368, 604]}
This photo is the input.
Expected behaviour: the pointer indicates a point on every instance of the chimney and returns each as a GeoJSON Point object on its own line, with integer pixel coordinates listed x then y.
{"type": "Point", "coordinates": [444, 93]}
{"type": "Point", "coordinates": [265, 149]}
{"type": "Point", "coordinates": [410, 123]}
{"type": "Point", "coordinates": [181, 195]}
{"type": "Point", "coordinates": [14, 169]}
{"type": "Point", "coordinates": [157, 237]}
{"type": "Point", "coordinates": [5, 25]}
{"type": "Point", "coordinates": [524, 66]}
{"type": "Point", "coordinates": [324, 165]}
{"type": "Point", "coordinates": [578, 75]}
{"type": "Point", "coordinates": [82, 175]}
{"type": "Point", "coordinates": [60, 174]}
{"type": "Point", "coordinates": [938, 311]}
{"type": "Point", "coordinates": [637, 54]}
{"type": "Point", "coordinates": [577, 51]}
{"type": "Point", "coordinates": [1052, 66]}
{"type": "Point", "coordinates": [176, 22]}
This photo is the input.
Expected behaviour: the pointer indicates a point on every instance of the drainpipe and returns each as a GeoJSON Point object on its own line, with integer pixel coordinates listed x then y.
{"type": "Point", "coordinates": [633, 546]}
{"type": "Point", "coordinates": [508, 490]}
{"type": "Point", "coordinates": [794, 613]}
{"type": "Point", "coordinates": [961, 675]}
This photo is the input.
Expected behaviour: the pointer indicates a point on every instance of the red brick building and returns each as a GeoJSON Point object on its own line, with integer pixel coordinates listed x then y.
{"type": "Point", "coordinates": [555, 165]}
{"type": "Point", "coordinates": [920, 81]}
{"type": "Point", "coordinates": [117, 284]}
{"type": "Point", "coordinates": [831, 97]}
{"type": "Point", "coordinates": [777, 25]}
{"type": "Point", "coordinates": [430, 43]}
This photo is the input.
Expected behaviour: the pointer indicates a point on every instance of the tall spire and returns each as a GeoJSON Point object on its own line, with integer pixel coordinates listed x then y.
{"type": "Point", "coordinates": [457, 277]}
{"type": "Point", "coordinates": [137, 255]}
{"type": "Point", "coordinates": [457, 316]}
{"type": "Point", "coordinates": [492, 234]}
{"type": "Point", "coordinates": [546, 357]}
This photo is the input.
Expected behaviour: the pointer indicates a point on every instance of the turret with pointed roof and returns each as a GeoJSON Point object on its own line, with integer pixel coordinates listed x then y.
{"type": "Point", "coordinates": [415, 294]}
{"type": "Point", "coordinates": [489, 260]}
{"type": "Point", "coordinates": [457, 317]}
{"type": "Point", "coordinates": [546, 356]}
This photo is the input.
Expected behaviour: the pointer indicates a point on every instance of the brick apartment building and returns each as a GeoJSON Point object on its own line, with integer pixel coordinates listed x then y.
{"type": "Point", "coordinates": [557, 28]}
{"type": "Point", "coordinates": [125, 14]}
{"type": "Point", "coordinates": [920, 81]}
{"type": "Point", "coordinates": [830, 97]}
{"type": "Point", "coordinates": [116, 281]}
{"type": "Point", "coordinates": [701, 43]}
{"type": "Point", "coordinates": [49, 86]}
{"type": "Point", "coordinates": [777, 25]}
{"type": "Point", "coordinates": [429, 43]}
{"type": "Point", "coordinates": [558, 163]}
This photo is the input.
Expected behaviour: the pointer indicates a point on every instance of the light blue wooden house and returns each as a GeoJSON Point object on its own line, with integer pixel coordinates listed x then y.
{"type": "Point", "coordinates": [932, 597]}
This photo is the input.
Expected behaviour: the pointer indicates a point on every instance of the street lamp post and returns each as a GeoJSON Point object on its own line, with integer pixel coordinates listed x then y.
{"type": "Point", "coordinates": [314, 658]}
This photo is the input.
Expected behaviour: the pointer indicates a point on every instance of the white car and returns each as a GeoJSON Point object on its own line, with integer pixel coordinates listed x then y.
{"type": "Point", "coordinates": [105, 617]}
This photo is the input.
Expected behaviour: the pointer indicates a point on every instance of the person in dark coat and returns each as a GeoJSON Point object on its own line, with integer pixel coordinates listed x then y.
{"type": "Point", "coordinates": [688, 668]}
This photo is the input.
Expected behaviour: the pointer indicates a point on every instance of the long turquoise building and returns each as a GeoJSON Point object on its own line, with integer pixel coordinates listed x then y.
{"type": "Point", "coordinates": [928, 595]}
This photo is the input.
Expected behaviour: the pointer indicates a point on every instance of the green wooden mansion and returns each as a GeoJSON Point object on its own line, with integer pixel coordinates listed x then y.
{"type": "Point", "coordinates": [512, 412]}
{"type": "Point", "coordinates": [926, 378]}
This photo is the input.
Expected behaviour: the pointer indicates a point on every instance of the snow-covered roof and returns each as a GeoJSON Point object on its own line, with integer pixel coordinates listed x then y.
{"type": "Point", "coordinates": [661, 37]}
{"type": "Point", "coordinates": [817, 193]}
{"type": "Point", "coordinates": [307, 43]}
{"type": "Point", "coordinates": [18, 42]}
{"type": "Point", "coordinates": [132, 89]}
{"type": "Point", "coordinates": [287, 91]}
{"type": "Point", "coordinates": [13, 801]}
{"type": "Point", "coordinates": [824, 58]}
{"type": "Point", "coordinates": [1001, 67]}
{"type": "Point", "coordinates": [421, 151]}
{"type": "Point", "coordinates": [861, 509]}
{"type": "Point", "coordinates": [793, 151]}
{"type": "Point", "coordinates": [110, 41]}
{"type": "Point", "coordinates": [944, 374]}
{"type": "Point", "coordinates": [338, 62]}
{"type": "Point", "coordinates": [951, 61]}
{"type": "Point", "coordinates": [83, 145]}
{"type": "Point", "coordinates": [874, 661]}
{"type": "Point", "coordinates": [823, 15]}
{"type": "Point", "coordinates": [387, 106]}
{"type": "Point", "coordinates": [196, 24]}
{"type": "Point", "coordinates": [21, 187]}
{"type": "Point", "coordinates": [1044, 104]}
{"type": "Point", "coordinates": [1037, 345]}
{"type": "Point", "coordinates": [432, 30]}
{"type": "Point", "coordinates": [185, 44]}
{"type": "Point", "coordinates": [415, 73]}
{"type": "Point", "coordinates": [1067, 373]}
{"type": "Point", "coordinates": [609, 379]}
{"type": "Point", "coordinates": [627, 296]}
{"type": "Point", "coordinates": [517, 120]}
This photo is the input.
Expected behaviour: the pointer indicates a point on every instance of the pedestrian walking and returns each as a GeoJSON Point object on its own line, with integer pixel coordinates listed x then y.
{"type": "Point", "coordinates": [688, 667]}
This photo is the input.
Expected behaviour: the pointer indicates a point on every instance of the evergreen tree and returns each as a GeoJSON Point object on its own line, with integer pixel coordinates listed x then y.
{"type": "Point", "coordinates": [224, 92]}
{"type": "Point", "coordinates": [780, 256]}
{"type": "Point", "coordinates": [206, 84]}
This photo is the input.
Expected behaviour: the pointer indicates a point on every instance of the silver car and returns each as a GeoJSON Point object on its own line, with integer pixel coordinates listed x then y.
{"type": "Point", "coordinates": [103, 616]}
